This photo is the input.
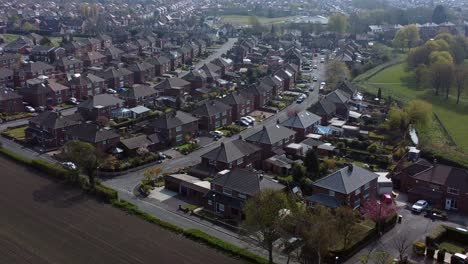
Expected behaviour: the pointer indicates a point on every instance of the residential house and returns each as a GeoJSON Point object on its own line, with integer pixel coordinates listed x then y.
{"type": "Point", "coordinates": [9, 61]}
{"type": "Point", "coordinates": [91, 44]}
{"type": "Point", "coordinates": [42, 53]}
{"type": "Point", "coordinates": [143, 72]}
{"type": "Point", "coordinates": [350, 186]}
{"type": "Point", "coordinates": [48, 129]}
{"type": "Point", "coordinates": [272, 139]}
{"type": "Point", "coordinates": [275, 82]}
{"type": "Point", "coordinates": [139, 94]}
{"type": "Point", "coordinates": [212, 115]}
{"type": "Point", "coordinates": [287, 77]}
{"type": "Point", "coordinates": [69, 65]}
{"type": "Point", "coordinates": [231, 189]}
{"type": "Point", "coordinates": [241, 102]}
{"type": "Point", "coordinates": [201, 45]}
{"type": "Point", "coordinates": [232, 154]}
{"type": "Point", "coordinates": [340, 99]}
{"type": "Point", "coordinates": [225, 64]}
{"type": "Point", "coordinates": [212, 72]}
{"type": "Point", "coordinates": [174, 87]}
{"type": "Point", "coordinates": [117, 77]}
{"type": "Point", "coordinates": [162, 65]}
{"type": "Point", "coordinates": [105, 105]}
{"type": "Point", "coordinates": [43, 92]}
{"type": "Point", "coordinates": [106, 41]}
{"type": "Point", "coordinates": [347, 87]}
{"type": "Point", "coordinates": [6, 77]}
{"type": "Point", "coordinates": [93, 59]}
{"type": "Point", "coordinates": [19, 46]}
{"type": "Point", "coordinates": [133, 144]}
{"type": "Point", "coordinates": [442, 186]}
{"type": "Point", "coordinates": [113, 54]}
{"type": "Point", "coordinates": [186, 52]}
{"type": "Point", "coordinates": [325, 109]}
{"type": "Point", "coordinates": [173, 128]}
{"type": "Point", "coordinates": [10, 101]}
{"type": "Point", "coordinates": [84, 85]}
{"type": "Point", "coordinates": [303, 123]}
{"type": "Point", "coordinates": [33, 70]}
{"type": "Point", "coordinates": [103, 139]}
{"type": "Point", "coordinates": [74, 48]}
{"type": "Point", "coordinates": [196, 78]}
{"type": "Point", "coordinates": [262, 92]}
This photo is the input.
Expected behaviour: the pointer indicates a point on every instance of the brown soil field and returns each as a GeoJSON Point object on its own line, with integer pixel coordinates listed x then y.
{"type": "Point", "coordinates": [43, 221]}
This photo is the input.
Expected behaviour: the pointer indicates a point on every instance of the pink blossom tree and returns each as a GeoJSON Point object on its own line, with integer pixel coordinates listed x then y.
{"type": "Point", "coordinates": [378, 211]}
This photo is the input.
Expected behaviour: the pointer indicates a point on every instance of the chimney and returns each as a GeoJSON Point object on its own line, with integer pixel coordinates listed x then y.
{"type": "Point", "coordinates": [240, 137]}
{"type": "Point", "coordinates": [350, 167]}
{"type": "Point", "coordinates": [277, 121]}
{"type": "Point", "coordinates": [260, 176]}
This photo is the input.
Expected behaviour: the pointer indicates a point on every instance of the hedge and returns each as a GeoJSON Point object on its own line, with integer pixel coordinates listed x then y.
{"type": "Point", "coordinates": [217, 243]}
{"type": "Point", "coordinates": [105, 192]}
{"type": "Point", "coordinates": [16, 157]}
{"type": "Point", "coordinates": [51, 169]}
{"type": "Point", "coordinates": [134, 210]}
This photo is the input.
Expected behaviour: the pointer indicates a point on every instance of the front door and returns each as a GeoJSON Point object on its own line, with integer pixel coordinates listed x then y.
{"type": "Point", "coordinates": [448, 203]}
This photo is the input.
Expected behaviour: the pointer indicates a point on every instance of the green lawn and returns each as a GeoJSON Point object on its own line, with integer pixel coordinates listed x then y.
{"type": "Point", "coordinates": [398, 83]}
{"type": "Point", "coordinates": [244, 20]}
{"type": "Point", "coordinates": [9, 37]}
{"type": "Point", "coordinates": [452, 247]}
{"type": "Point", "coordinates": [18, 133]}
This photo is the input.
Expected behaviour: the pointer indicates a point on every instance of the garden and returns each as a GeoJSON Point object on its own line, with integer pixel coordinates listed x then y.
{"type": "Point", "coordinates": [18, 133]}
{"type": "Point", "coordinates": [231, 130]}
{"type": "Point", "coordinates": [447, 238]}
{"type": "Point", "coordinates": [187, 148]}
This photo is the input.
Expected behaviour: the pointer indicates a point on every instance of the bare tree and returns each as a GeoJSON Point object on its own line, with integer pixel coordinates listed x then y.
{"type": "Point", "coordinates": [402, 243]}
{"type": "Point", "coordinates": [346, 224]}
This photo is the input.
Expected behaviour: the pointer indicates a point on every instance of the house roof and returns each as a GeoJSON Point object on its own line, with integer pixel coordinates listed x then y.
{"type": "Point", "coordinates": [302, 119]}
{"type": "Point", "coordinates": [159, 61]}
{"type": "Point", "coordinates": [52, 120]}
{"type": "Point", "coordinates": [211, 108]}
{"type": "Point", "coordinates": [139, 91]}
{"type": "Point", "coordinates": [231, 151]}
{"type": "Point", "coordinates": [236, 98]}
{"type": "Point", "coordinates": [444, 175]}
{"type": "Point", "coordinates": [56, 87]}
{"type": "Point", "coordinates": [93, 55]}
{"type": "Point", "coordinates": [100, 100]}
{"type": "Point", "coordinates": [91, 133]}
{"type": "Point", "coordinates": [136, 142]}
{"type": "Point", "coordinates": [173, 120]}
{"type": "Point", "coordinates": [5, 72]}
{"type": "Point", "coordinates": [195, 75]}
{"type": "Point", "coordinates": [271, 134]}
{"type": "Point", "coordinates": [172, 83]}
{"type": "Point", "coordinates": [67, 61]}
{"type": "Point", "coordinates": [337, 97]}
{"type": "Point", "coordinates": [245, 181]}
{"type": "Point", "coordinates": [347, 179]}
{"type": "Point", "coordinates": [141, 66]}
{"type": "Point", "coordinates": [347, 87]}
{"type": "Point", "coordinates": [37, 67]}
{"type": "Point", "coordinates": [113, 51]}
{"type": "Point", "coordinates": [324, 199]}
{"type": "Point", "coordinates": [324, 107]}
{"type": "Point", "coordinates": [114, 73]}
{"type": "Point", "coordinates": [7, 94]}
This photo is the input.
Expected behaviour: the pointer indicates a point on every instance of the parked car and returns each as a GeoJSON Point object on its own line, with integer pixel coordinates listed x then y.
{"type": "Point", "coordinates": [111, 91]}
{"type": "Point", "coordinates": [242, 122]}
{"type": "Point", "coordinates": [40, 108]}
{"type": "Point", "coordinates": [30, 109]}
{"type": "Point", "coordinates": [419, 206]}
{"type": "Point", "coordinates": [69, 165]}
{"type": "Point", "coordinates": [311, 88]}
{"type": "Point", "coordinates": [250, 118]}
{"type": "Point", "coordinates": [217, 134]}
{"type": "Point", "coordinates": [301, 98]}
{"type": "Point", "coordinates": [322, 60]}
{"type": "Point", "coordinates": [73, 100]}
{"type": "Point", "coordinates": [247, 120]}
{"type": "Point", "coordinates": [306, 69]}
{"type": "Point", "coordinates": [315, 79]}
{"type": "Point", "coordinates": [315, 67]}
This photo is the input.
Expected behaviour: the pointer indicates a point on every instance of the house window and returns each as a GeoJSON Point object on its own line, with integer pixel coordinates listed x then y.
{"type": "Point", "coordinates": [240, 161]}
{"type": "Point", "coordinates": [220, 207]}
{"type": "Point", "coordinates": [217, 115]}
{"type": "Point", "coordinates": [179, 138]}
{"type": "Point", "coordinates": [212, 162]}
{"type": "Point", "coordinates": [227, 191]}
{"type": "Point", "coordinates": [453, 191]}
{"type": "Point", "coordinates": [242, 196]}
{"type": "Point", "coordinates": [357, 192]}
{"type": "Point", "coordinates": [217, 124]}
{"type": "Point", "coordinates": [366, 196]}
{"type": "Point", "coordinates": [357, 204]}
{"type": "Point", "coordinates": [178, 129]}
{"type": "Point", "coordinates": [331, 193]}
{"type": "Point", "coordinates": [210, 202]}
{"type": "Point", "coordinates": [366, 186]}
{"type": "Point", "coordinates": [224, 122]}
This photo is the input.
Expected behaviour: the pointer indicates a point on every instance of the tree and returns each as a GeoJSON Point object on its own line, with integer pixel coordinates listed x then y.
{"type": "Point", "coordinates": [338, 23]}
{"type": "Point", "coordinates": [28, 27]}
{"type": "Point", "coordinates": [379, 93]}
{"type": "Point", "coordinates": [401, 243]}
{"type": "Point", "coordinates": [298, 172]}
{"type": "Point", "coordinates": [346, 220]}
{"type": "Point", "coordinates": [441, 57]}
{"type": "Point", "coordinates": [84, 155]}
{"type": "Point", "coordinates": [439, 15]}
{"type": "Point", "coordinates": [45, 41]}
{"type": "Point", "coordinates": [152, 173]}
{"type": "Point", "coordinates": [419, 112]}
{"type": "Point", "coordinates": [378, 211]}
{"type": "Point", "coordinates": [461, 79]}
{"type": "Point", "coordinates": [262, 220]}
{"type": "Point", "coordinates": [318, 231]}
{"type": "Point", "coordinates": [373, 148]}
{"type": "Point", "coordinates": [423, 75]}
{"type": "Point", "coordinates": [337, 71]}
{"type": "Point", "coordinates": [311, 162]}
{"type": "Point", "coordinates": [406, 37]}
{"type": "Point", "coordinates": [441, 76]}
{"type": "Point", "coordinates": [110, 162]}
{"type": "Point", "coordinates": [397, 119]}
{"type": "Point", "coordinates": [255, 24]}
{"type": "Point", "coordinates": [378, 257]}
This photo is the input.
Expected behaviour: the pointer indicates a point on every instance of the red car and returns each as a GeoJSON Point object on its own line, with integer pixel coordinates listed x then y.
{"type": "Point", "coordinates": [50, 107]}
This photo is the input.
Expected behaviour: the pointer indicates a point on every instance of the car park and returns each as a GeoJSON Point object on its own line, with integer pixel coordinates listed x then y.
{"type": "Point", "coordinates": [419, 206]}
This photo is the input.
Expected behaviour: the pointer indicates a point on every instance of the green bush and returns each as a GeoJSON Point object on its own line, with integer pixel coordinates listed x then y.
{"type": "Point", "coordinates": [105, 192]}
{"type": "Point", "coordinates": [134, 210]}
{"type": "Point", "coordinates": [214, 242]}
{"type": "Point", "coordinates": [51, 169]}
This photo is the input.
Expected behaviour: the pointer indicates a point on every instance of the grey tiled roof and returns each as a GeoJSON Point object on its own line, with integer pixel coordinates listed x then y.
{"type": "Point", "coordinates": [304, 119]}
{"type": "Point", "coordinates": [91, 133]}
{"type": "Point", "coordinates": [324, 107]}
{"type": "Point", "coordinates": [172, 120]}
{"type": "Point", "coordinates": [136, 142]}
{"type": "Point", "coordinates": [231, 151]}
{"type": "Point", "coordinates": [245, 181]}
{"type": "Point", "coordinates": [211, 108]}
{"type": "Point", "coordinates": [52, 120]}
{"type": "Point", "coordinates": [271, 134]}
{"type": "Point", "coordinates": [346, 180]}
{"type": "Point", "coordinates": [100, 100]}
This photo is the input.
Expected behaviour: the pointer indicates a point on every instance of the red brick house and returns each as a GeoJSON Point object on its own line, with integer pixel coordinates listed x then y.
{"type": "Point", "coordinates": [48, 129]}
{"type": "Point", "coordinates": [32, 70]}
{"type": "Point", "coordinates": [139, 94]}
{"type": "Point", "coordinates": [9, 61]}
{"type": "Point", "coordinates": [263, 93]}
{"type": "Point", "coordinates": [231, 189]}
{"type": "Point", "coordinates": [117, 77]}
{"type": "Point", "coordinates": [69, 65]}
{"type": "Point", "coordinates": [105, 140]}
{"type": "Point", "coordinates": [174, 87]}
{"type": "Point", "coordinates": [272, 139]}
{"type": "Point", "coordinates": [39, 92]}
{"type": "Point", "coordinates": [162, 65]}
{"type": "Point", "coordinates": [303, 123]}
{"type": "Point", "coordinates": [10, 101]}
{"type": "Point", "coordinates": [7, 77]}
{"type": "Point", "coordinates": [105, 105]}
{"type": "Point", "coordinates": [325, 109]}
{"type": "Point", "coordinates": [212, 115]}
{"type": "Point", "coordinates": [350, 186]}
{"type": "Point", "coordinates": [113, 54]}
{"type": "Point", "coordinates": [242, 103]}
{"type": "Point", "coordinates": [93, 58]}
{"type": "Point", "coordinates": [143, 72]}
{"type": "Point", "coordinates": [85, 85]}
{"type": "Point", "coordinates": [443, 186]}
{"type": "Point", "coordinates": [174, 127]}
{"type": "Point", "coordinates": [196, 78]}
{"type": "Point", "coordinates": [233, 154]}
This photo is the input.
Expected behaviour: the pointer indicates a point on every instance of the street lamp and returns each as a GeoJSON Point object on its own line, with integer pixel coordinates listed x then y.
{"type": "Point", "coordinates": [214, 203]}
{"type": "Point", "coordinates": [336, 259]}
{"type": "Point", "coordinates": [380, 216]}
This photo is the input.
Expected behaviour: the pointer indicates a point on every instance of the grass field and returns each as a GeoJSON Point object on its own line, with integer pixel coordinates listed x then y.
{"type": "Point", "coordinates": [244, 20]}
{"type": "Point", "coordinates": [12, 37]}
{"type": "Point", "coordinates": [18, 133]}
{"type": "Point", "coordinates": [397, 82]}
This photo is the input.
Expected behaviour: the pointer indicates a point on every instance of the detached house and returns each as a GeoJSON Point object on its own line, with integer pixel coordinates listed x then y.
{"type": "Point", "coordinates": [105, 105]}
{"type": "Point", "coordinates": [351, 186]}
{"type": "Point", "coordinates": [272, 139]}
{"type": "Point", "coordinates": [174, 127]}
{"type": "Point", "coordinates": [303, 123]}
{"type": "Point", "coordinates": [212, 115]}
{"type": "Point", "coordinates": [231, 189]}
{"type": "Point", "coordinates": [48, 129]}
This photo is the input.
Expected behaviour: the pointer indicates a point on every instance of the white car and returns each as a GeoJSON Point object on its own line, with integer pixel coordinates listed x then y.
{"type": "Point", "coordinates": [69, 165]}
{"type": "Point", "coordinates": [419, 206]}
{"type": "Point", "coordinates": [111, 91]}
{"type": "Point", "coordinates": [217, 134]}
{"type": "Point", "coordinates": [73, 100]}
{"type": "Point", "coordinates": [245, 119]}
{"type": "Point", "coordinates": [322, 83]}
{"type": "Point", "coordinates": [30, 109]}
{"type": "Point", "coordinates": [315, 67]}
{"type": "Point", "coordinates": [250, 118]}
